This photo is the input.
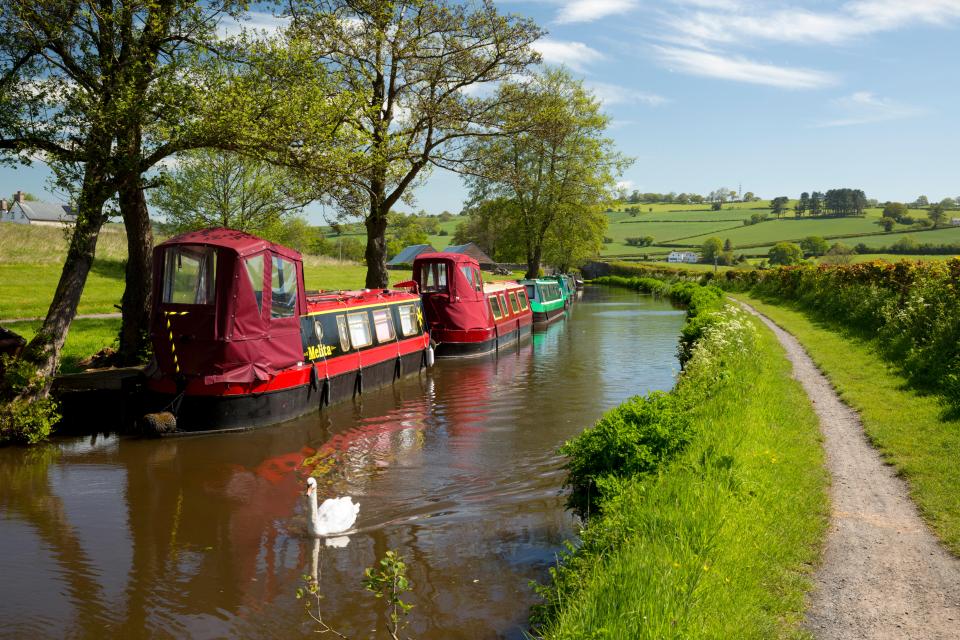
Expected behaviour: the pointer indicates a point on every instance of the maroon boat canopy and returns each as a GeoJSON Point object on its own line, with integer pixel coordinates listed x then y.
{"type": "Point", "coordinates": [452, 289]}
{"type": "Point", "coordinates": [226, 306]}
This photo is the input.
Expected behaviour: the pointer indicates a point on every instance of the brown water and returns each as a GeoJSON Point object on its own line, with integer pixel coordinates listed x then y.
{"type": "Point", "coordinates": [204, 537]}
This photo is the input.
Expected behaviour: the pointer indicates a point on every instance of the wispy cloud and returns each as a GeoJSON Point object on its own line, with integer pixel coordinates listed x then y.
{"type": "Point", "coordinates": [715, 65]}
{"type": "Point", "coordinates": [720, 22]}
{"type": "Point", "coordinates": [261, 22]}
{"type": "Point", "coordinates": [590, 10]}
{"type": "Point", "coordinates": [615, 94]}
{"type": "Point", "coordinates": [864, 107]}
{"type": "Point", "coordinates": [575, 55]}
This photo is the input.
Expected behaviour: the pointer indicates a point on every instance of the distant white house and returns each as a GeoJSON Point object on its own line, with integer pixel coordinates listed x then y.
{"type": "Point", "coordinates": [955, 222]}
{"type": "Point", "coordinates": [683, 256]}
{"type": "Point", "coordinates": [24, 211]}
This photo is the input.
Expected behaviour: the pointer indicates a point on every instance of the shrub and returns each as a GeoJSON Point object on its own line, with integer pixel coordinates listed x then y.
{"type": "Point", "coordinates": [23, 421]}
{"type": "Point", "coordinates": [633, 438]}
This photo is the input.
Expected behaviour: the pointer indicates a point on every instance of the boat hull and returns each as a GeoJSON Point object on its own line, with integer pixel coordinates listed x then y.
{"type": "Point", "coordinates": [199, 414]}
{"type": "Point", "coordinates": [465, 348]}
{"type": "Point", "coordinates": [542, 318]}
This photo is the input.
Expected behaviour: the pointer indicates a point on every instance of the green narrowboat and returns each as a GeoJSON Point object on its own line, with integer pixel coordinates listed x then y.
{"type": "Point", "coordinates": [567, 287]}
{"type": "Point", "coordinates": [546, 300]}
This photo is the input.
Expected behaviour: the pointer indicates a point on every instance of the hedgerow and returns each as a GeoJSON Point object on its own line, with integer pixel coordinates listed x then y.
{"type": "Point", "coordinates": [911, 308]}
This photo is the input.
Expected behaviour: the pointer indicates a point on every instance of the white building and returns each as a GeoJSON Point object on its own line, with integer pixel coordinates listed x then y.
{"type": "Point", "coordinates": [24, 211]}
{"type": "Point", "coordinates": [683, 256]}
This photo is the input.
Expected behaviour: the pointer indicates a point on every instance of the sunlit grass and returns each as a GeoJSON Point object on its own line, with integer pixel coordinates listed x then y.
{"type": "Point", "coordinates": [722, 542]}
{"type": "Point", "coordinates": [86, 337]}
{"type": "Point", "coordinates": [912, 431]}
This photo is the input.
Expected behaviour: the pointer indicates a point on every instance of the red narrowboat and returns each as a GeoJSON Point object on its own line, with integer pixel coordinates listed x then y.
{"type": "Point", "coordinates": [239, 342]}
{"type": "Point", "coordinates": [467, 317]}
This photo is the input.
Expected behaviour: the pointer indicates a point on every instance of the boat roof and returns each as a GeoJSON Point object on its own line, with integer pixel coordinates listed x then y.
{"type": "Point", "coordinates": [325, 300]}
{"type": "Point", "coordinates": [447, 255]}
{"type": "Point", "coordinates": [242, 243]}
{"type": "Point", "coordinates": [503, 285]}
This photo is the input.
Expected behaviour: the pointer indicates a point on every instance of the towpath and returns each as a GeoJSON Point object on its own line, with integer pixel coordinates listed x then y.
{"type": "Point", "coordinates": [79, 316]}
{"type": "Point", "coordinates": [884, 574]}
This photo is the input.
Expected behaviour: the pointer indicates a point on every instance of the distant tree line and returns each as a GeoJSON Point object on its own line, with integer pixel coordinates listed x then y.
{"type": "Point", "coordinates": [720, 195]}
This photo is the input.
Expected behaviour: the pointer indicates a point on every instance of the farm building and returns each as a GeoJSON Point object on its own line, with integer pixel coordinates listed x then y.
{"type": "Point", "coordinates": [683, 256]}
{"type": "Point", "coordinates": [24, 211]}
{"type": "Point", "coordinates": [405, 258]}
{"type": "Point", "coordinates": [472, 250]}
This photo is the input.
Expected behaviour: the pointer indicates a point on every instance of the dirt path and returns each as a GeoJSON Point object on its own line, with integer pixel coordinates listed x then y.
{"type": "Point", "coordinates": [884, 574]}
{"type": "Point", "coordinates": [79, 316]}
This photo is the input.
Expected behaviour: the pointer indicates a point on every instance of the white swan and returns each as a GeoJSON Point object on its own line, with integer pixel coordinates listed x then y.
{"type": "Point", "coordinates": [335, 516]}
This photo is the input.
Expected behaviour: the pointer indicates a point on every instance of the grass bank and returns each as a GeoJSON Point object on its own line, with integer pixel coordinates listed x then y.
{"type": "Point", "coordinates": [711, 501]}
{"type": "Point", "coordinates": [86, 337]}
{"type": "Point", "coordinates": [913, 430]}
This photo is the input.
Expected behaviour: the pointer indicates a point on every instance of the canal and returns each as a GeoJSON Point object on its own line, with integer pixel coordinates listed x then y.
{"type": "Point", "coordinates": [205, 537]}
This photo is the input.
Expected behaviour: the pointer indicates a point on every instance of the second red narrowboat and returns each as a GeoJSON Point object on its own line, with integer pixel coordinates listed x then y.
{"type": "Point", "coordinates": [238, 342]}
{"type": "Point", "coordinates": [467, 317]}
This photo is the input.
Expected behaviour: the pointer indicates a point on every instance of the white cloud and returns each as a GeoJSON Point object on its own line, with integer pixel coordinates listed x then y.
{"type": "Point", "coordinates": [575, 55]}
{"type": "Point", "coordinates": [260, 22]}
{"type": "Point", "coordinates": [722, 22]}
{"type": "Point", "coordinates": [864, 107]}
{"type": "Point", "coordinates": [615, 94]}
{"type": "Point", "coordinates": [590, 10]}
{"type": "Point", "coordinates": [714, 65]}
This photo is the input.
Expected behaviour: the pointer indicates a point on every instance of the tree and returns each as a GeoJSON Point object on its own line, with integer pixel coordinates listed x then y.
{"type": "Point", "coordinates": [100, 90]}
{"type": "Point", "coordinates": [749, 196]}
{"type": "Point", "coordinates": [711, 249]}
{"type": "Point", "coordinates": [816, 203]}
{"type": "Point", "coordinates": [937, 214]}
{"type": "Point", "coordinates": [574, 238]}
{"type": "Point", "coordinates": [895, 210]}
{"type": "Point", "coordinates": [727, 245]}
{"type": "Point", "coordinates": [887, 223]}
{"type": "Point", "coordinates": [814, 246]}
{"type": "Point", "coordinates": [557, 164]}
{"type": "Point", "coordinates": [803, 204]}
{"type": "Point", "coordinates": [785, 253]}
{"type": "Point", "coordinates": [445, 216]}
{"type": "Point", "coordinates": [948, 203]}
{"type": "Point", "coordinates": [716, 205]}
{"type": "Point", "coordinates": [493, 226]}
{"type": "Point", "coordinates": [921, 201]}
{"type": "Point", "coordinates": [212, 188]}
{"type": "Point", "coordinates": [779, 205]}
{"type": "Point", "coordinates": [403, 231]}
{"type": "Point", "coordinates": [412, 64]}
{"type": "Point", "coordinates": [839, 253]}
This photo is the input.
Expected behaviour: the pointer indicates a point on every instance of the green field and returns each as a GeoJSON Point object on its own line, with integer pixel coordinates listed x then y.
{"type": "Point", "coordinates": [687, 227]}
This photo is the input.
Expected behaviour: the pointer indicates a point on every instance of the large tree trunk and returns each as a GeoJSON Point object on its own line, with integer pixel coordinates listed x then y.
{"type": "Point", "coordinates": [533, 262]}
{"type": "Point", "coordinates": [43, 351]}
{"type": "Point", "coordinates": [376, 253]}
{"type": "Point", "coordinates": [135, 326]}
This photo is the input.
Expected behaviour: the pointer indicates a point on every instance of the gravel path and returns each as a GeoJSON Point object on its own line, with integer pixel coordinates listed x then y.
{"type": "Point", "coordinates": [884, 574]}
{"type": "Point", "coordinates": [79, 316]}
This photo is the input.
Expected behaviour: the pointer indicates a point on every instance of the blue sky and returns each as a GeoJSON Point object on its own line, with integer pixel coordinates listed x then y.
{"type": "Point", "coordinates": [779, 96]}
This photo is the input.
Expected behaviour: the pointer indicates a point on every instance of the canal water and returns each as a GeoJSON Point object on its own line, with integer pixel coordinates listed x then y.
{"type": "Point", "coordinates": [205, 537]}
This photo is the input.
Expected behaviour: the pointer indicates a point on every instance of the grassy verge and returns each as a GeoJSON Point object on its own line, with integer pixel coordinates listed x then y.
{"type": "Point", "coordinates": [86, 337]}
{"type": "Point", "coordinates": [718, 539]}
{"type": "Point", "coordinates": [911, 430]}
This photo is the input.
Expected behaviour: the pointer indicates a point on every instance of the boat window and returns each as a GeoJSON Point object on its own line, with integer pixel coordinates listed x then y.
{"type": "Point", "coordinates": [344, 333]}
{"type": "Point", "coordinates": [532, 291]}
{"type": "Point", "coordinates": [318, 330]}
{"type": "Point", "coordinates": [359, 324]}
{"type": "Point", "coordinates": [433, 277]}
{"type": "Point", "coordinates": [522, 296]}
{"type": "Point", "coordinates": [383, 325]}
{"type": "Point", "coordinates": [190, 274]}
{"type": "Point", "coordinates": [254, 266]}
{"type": "Point", "coordinates": [513, 302]}
{"type": "Point", "coordinates": [503, 305]}
{"type": "Point", "coordinates": [409, 325]}
{"type": "Point", "coordinates": [495, 307]}
{"type": "Point", "coordinates": [468, 274]}
{"type": "Point", "coordinates": [477, 280]}
{"type": "Point", "coordinates": [283, 281]}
